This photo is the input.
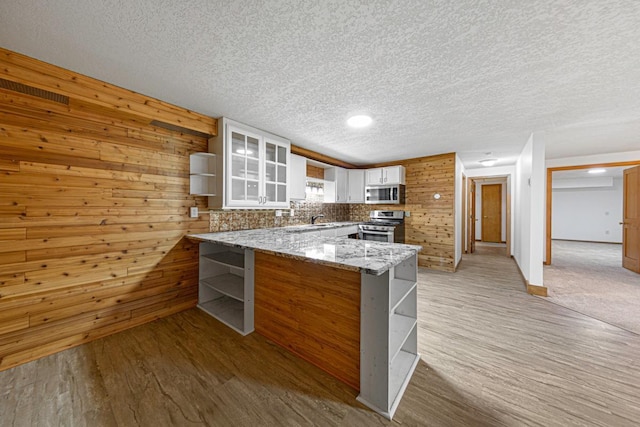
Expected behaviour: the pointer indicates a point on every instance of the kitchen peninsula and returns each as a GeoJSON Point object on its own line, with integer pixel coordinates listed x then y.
{"type": "Point", "coordinates": [348, 306]}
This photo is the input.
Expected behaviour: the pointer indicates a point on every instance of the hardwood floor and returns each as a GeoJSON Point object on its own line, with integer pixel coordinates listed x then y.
{"type": "Point", "coordinates": [491, 355]}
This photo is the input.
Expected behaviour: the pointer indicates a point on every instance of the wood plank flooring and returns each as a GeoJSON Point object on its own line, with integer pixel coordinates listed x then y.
{"type": "Point", "coordinates": [491, 356]}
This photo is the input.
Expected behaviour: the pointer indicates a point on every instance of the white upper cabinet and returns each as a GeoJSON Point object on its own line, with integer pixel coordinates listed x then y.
{"type": "Point", "coordinates": [298, 175]}
{"type": "Point", "coordinates": [388, 175]}
{"type": "Point", "coordinates": [356, 185]}
{"type": "Point", "coordinates": [256, 167]}
{"type": "Point", "coordinates": [340, 177]}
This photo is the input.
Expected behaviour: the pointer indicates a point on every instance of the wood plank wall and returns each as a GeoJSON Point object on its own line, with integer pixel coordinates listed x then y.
{"type": "Point", "coordinates": [432, 222]}
{"type": "Point", "coordinates": [94, 205]}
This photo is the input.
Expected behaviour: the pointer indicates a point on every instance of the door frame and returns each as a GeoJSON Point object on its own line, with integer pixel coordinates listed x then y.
{"type": "Point", "coordinates": [472, 182]}
{"type": "Point", "coordinates": [549, 207]}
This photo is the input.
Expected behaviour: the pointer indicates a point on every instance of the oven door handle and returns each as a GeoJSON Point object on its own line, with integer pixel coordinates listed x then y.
{"type": "Point", "coordinates": [380, 233]}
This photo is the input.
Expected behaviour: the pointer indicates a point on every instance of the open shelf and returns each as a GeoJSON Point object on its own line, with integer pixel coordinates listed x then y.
{"type": "Point", "coordinates": [202, 163]}
{"type": "Point", "coordinates": [227, 310]}
{"type": "Point", "coordinates": [399, 329]}
{"type": "Point", "coordinates": [400, 373]}
{"type": "Point", "coordinates": [202, 185]}
{"type": "Point", "coordinates": [227, 284]}
{"type": "Point", "coordinates": [230, 259]}
{"type": "Point", "coordinates": [398, 290]}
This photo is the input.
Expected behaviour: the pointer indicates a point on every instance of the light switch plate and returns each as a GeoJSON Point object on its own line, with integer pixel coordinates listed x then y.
{"type": "Point", "coordinates": [193, 212]}
{"type": "Point", "coordinates": [292, 212]}
{"type": "Point", "coordinates": [278, 212]}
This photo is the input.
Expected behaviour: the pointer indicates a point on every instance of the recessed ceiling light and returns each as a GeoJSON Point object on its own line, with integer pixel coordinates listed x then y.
{"type": "Point", "coordinates": [600, 170]}
{"type": "Point", "coordinates": [359, 121]}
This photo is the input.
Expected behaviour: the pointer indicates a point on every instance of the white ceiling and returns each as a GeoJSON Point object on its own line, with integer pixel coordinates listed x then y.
{"type": "Point", "coordinates": [471, 76]}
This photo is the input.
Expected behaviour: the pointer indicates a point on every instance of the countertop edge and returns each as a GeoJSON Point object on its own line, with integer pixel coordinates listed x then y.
{"type": "Point", "coordinates": [375, 272]}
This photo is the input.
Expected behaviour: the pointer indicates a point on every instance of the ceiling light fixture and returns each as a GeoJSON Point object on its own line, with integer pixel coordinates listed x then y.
{"type": "Point", "coordinates": [489, 161]}
{"type": "Point", "coordinates": [359, 121]}
{"type": "Point", "coordinates": [600, 170]}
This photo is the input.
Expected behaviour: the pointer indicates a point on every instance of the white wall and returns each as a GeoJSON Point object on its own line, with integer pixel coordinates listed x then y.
{"type": "Point", "coordinates": [458, 209]}
{"type": "Point", "coordinates": [528, 221]}
{"type": "Point", "coordinates": [503, 208]}
{"type": "Point", "coordinates": [589, 214]}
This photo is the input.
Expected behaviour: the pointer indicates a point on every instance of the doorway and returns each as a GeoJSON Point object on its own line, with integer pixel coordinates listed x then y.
{"type": "Point", "coordinates": [585, 231]}
{"type": "Point", "coordinates": [488, 213]}
{"type": "Point", "coordinates": [549, 205]}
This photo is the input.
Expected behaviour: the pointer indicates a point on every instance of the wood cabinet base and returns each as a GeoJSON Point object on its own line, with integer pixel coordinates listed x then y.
{"type": "Point", "coordinates": [312, 310]}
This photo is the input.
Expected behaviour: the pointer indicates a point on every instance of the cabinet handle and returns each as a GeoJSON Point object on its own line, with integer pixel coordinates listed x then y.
{"type": "Point", "coordinates": [385, 180]}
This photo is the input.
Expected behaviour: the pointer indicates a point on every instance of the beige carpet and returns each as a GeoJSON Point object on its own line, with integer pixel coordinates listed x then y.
{"type": "Point", "coordinates": [589, 278]}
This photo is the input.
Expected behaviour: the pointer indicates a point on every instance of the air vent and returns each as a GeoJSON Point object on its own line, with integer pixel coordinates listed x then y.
{"type": "Point", "coordinates": [179, 129]}
{"type": "Point", "coordinates": [33, 91]}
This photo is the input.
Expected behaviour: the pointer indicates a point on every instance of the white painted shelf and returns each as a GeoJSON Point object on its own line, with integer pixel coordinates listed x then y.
{"type": "Point", "coordinates": [227, 310]}
{"type": "Point", "coordinates": [401, 370]}
{"type": "Point", "coordinates": [399, 328]}
{"type": "Point", "coordinates": [202, 174]}
{"type": "Point", "coordinates": [398, 290]}
{"type": "Point", "coordinates": [388, 336]}
{"type": "Point", "coordinates": [231, 259]}
{"type": "Point", "coordinates": [227, 284]}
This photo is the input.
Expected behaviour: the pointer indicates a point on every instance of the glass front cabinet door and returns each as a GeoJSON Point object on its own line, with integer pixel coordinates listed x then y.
{"type": "Point", "coordinates": [257, 168]}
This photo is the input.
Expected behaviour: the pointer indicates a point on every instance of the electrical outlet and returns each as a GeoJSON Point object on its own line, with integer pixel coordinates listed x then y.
{"type": "Point", "coordinates": [292, 212]}
{"type": "Point", "coordinates": [193, 212]}
{"type": "Point", "coordinates": [407, 213]}
{"type": "Point", "coordinates": [278, 212]}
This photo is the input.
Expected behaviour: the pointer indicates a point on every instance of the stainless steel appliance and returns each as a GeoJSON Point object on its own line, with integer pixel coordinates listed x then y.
{"type": "Point", "coordinates": [384, 226]}
{"type": "Point", "coordinates": [384, 194]}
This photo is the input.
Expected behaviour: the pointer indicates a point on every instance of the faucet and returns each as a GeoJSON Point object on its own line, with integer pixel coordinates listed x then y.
{"type": "Point", "coordinates": [314, 217]}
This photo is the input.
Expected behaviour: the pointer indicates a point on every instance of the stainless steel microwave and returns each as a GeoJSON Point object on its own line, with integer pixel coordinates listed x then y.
{"type": "Point", "coordinates": [384, 194]}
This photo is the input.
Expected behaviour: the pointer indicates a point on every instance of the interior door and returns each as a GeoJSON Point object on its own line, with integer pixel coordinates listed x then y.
{"type": "Point", "coordinates": [631, 220]}
{"type": "Point", "coordinates": [492, 213]}
{"type": "Point", "coordinates": [472, 216]}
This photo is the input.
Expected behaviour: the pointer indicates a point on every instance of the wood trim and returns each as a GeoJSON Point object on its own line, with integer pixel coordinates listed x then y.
{"type": "Point", "coordinates": [548, 255]}
{"type": "Point", "coordinates": [22, 69]}
{"type": "Point", "coordinates": [540, 291]}
{"type": "Point", "coordinates": [411, 160]}
{"type": "Point", "coordinates": [315, 172]}
{"type": "Point", "coordinates": [314, 155]}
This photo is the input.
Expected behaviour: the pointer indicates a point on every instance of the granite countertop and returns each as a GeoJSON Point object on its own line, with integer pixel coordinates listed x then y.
{"type": "Point", "coordinates": [350, 254]}
{"type": "Point", "coordinates": [318, 226]}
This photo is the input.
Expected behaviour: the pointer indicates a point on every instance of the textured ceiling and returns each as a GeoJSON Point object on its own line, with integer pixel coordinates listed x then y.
{"type": "Point", "coordinates": [471, 76]}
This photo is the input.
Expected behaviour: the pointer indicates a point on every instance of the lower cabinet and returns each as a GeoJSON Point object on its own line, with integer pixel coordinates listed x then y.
{"type": "Point", "coordinates": [388, 336]}
{"type": "Point", "coordinates": [225, 285]}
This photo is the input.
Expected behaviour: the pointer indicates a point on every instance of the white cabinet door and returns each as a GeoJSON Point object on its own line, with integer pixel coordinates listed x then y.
{"type": "Point", "coordinates": [244, 167]}
{"type": "Point", "coordinates": [256, 168]}
{"type": "Point", "coordinates": [276, 174]}
{"type": "Point", "coordinates": [384, 176]}
{"type": "Point", "coordinates": [374, 176]}
{"type": "Point", "coordinates": [340, 177]}
{"type": "Point", "coordinates": [298, 175]}
{"type": "Point", "coordinates": [356, 185]}
{"type": "Point", "coordinates": [393, 175]}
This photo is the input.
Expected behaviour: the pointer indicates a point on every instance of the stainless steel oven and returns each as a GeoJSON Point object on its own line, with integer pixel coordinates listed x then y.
{"type": "Point", "coordinates": [377, 236]}
{"type": "Point", "coordinates": [384, 226]}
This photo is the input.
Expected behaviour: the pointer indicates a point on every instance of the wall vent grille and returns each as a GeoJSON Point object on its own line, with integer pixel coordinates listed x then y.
{"type": "Point", "coordinates": [33, 91]}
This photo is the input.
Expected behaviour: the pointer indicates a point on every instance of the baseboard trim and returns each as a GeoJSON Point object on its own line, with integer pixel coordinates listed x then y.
{"type": "Point", "coordinates": [540, 291]}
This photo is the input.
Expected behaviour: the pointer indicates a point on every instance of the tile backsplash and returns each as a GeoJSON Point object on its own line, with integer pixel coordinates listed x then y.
{"type": "Point", "coordinates": [244, 219]}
